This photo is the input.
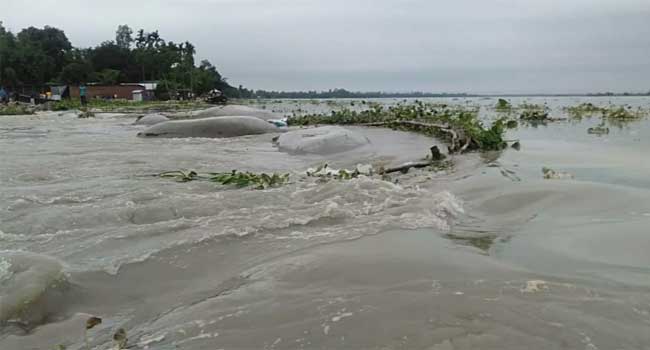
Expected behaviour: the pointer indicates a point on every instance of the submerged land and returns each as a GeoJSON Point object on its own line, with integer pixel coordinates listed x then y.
{"type": "Point", "coordinates": [527, 229]}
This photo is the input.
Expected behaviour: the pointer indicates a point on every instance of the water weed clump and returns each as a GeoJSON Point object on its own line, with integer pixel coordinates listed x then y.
{"type": "Point", "coordinates": [623, 113]}
{"type": "Point", "coordinates": [458, 126]}
{"type": "Point", "coordinates": [611, 112]}
{"type": "Point", "coordinates": [234, 178]}
{"type": "Point", "coordinates": [583, 110]}
{"type": "Point", "coordinates": [324, 172]}
{"type": "Point", "coordinates": [533, 113]}
{"type": "Point", "coordinates": [503, 106]}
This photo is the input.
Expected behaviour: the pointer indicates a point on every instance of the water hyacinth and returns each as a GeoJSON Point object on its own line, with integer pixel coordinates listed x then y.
{"type": "Point", "coordinates": [234, 178]}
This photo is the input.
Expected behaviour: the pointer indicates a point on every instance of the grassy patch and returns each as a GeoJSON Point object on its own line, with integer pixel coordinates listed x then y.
{"type": "Point", "coordinates": [124, 106]}
{"type": "Point", "coordinates": [15, 109]}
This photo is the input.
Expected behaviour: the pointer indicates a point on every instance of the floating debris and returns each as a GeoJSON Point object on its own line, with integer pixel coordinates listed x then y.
{"type": "Point", "coordinates": [458, 126]}
{"type": "Point", "coordinates": [120, 339]}
{"type": "Point", "coordinates": [534, 286]}
{"type": "Point", "coordinates": [598, 130]}
{"type": "Point", "coordinates": [551, 174]}
{"type": "Point", "coordinates": [237, 178]}
{"type": "Point", "coordinates": [481, 242]}
{"type": "Point", "coordinates": [325, 172]}
{"type": "Point", "coordinates": [92, 322]}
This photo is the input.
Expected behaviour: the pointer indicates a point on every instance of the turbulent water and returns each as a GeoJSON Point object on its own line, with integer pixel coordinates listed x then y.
{"type": "Point", "coordinates": [485, 255]}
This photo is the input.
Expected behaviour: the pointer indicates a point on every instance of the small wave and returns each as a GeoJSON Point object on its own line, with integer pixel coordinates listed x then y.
{"type": "Point", "coordinates": [25, 279]}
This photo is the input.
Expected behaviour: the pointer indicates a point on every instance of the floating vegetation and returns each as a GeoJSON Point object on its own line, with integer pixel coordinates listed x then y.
{"type": "Point", "coordinates": [481, 242]}
{"type": "Point", "coordinates": [246, 179]}
{"type": "Point", "coordinates": [326, 173]}
{"type": "Point", "coordinates": [534, 116]}
{"type": "Point", "coordinates": [609, 113]}
{"type": "Point", "coordinates": [120, 339]}
{"type": "Point", "coordinates": [550, 174]}
{"type": "Point", "coordinates": [92, 322]}
{"type": "Point", "coordinates": [435, 161]}
{"type": "Point", "coordinates": [533, 113]}
{"type": "Point", "coordinates": [459, 126]}
{"type": "Point", "coordinates": [622, 113]}
{"type": "Point", "coordinates": [582, 110]}
{"type": "Point", "coordinates": [503, 106]}
{"type": "Point", "coordinates": [234, 178]}
{"type": "Point", "coordinates": [180, 175]}
{"type": "Point", "coordinates": [85, 113]}
{"type": "Point", "coordinates": [599, 130]}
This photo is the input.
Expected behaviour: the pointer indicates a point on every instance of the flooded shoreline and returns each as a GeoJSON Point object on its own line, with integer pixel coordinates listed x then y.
{"type": "Point", "coordinates": [487, 254]}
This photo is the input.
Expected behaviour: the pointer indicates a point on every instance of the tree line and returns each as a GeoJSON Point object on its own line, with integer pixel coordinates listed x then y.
{"type": "Point", "coordinates": [35, 57]}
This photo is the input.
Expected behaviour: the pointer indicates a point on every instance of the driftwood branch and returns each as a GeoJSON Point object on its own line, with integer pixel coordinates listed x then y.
{"type": "Point", "coordinates": [436, 155]}
{"type": "Point", "coordinates": [404, 168]}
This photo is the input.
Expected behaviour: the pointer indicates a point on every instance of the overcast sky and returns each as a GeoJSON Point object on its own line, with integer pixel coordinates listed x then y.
{"type": "Point", "coordinates": [479, 46]}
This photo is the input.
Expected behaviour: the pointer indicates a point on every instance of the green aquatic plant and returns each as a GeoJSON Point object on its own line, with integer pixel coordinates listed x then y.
{"type": "Point", "coordinates": [481, 242]}
{"type": "Point", "coordinates": [503, 105]}
{"type": "Point", "coordinates": [459, 126]}
{"type": "Point", "coordinates": [233, 178]}
{"type": "Point", "coordinates": [90, 323]}
{"type": "Point", "coordinates": [583, 110]}
{"type": "Point", "coordinates": [120, 339]}
{"type": "Point", "coordinates": [15, 109]}
{"type": "Point", "coordinates": [622, 113]}
{"type": "Point", "coordinates": [180, 175]}
{"type": "Point", "coordinates": [534, 116]}
{"type": "Point", "coordinates": [245, 179]}
{"type": "Point", "coordinates": [533, 113]}
{"type": "Point", "coordinates": [601, 129]}
{"type": "Point", "coordinates": [610, 113]}
{"type": "Point", "coordinates": [532, 107]}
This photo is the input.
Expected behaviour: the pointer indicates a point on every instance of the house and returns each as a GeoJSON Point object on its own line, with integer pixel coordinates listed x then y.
{"type": "Point", "coordinates": [122, 91]}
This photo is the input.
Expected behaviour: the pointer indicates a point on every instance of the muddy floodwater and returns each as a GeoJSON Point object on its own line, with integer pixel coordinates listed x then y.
{"type": "Point", "coordinates": [485, 255]}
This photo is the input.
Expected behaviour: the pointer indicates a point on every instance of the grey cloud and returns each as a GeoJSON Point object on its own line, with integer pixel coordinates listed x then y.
{"type": "Point", "coordinates": [462, 45]}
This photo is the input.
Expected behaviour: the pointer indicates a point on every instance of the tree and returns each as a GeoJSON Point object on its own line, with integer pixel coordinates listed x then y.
{"type": "Point", "coordinates": [50, 45]}
{"type": "Point", "coordinates": [36, 56]}
{"type": "Point", "coordinates": [123, 37]}
{"type": "Point", "coordinates": [108, 76]}
{"type": "Point", "coordinates": [110, 56]}
{"type": "Point", "coordinates": [76, 73]}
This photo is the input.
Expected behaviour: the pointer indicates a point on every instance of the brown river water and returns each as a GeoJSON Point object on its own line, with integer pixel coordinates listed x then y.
{"type": "Point", "coordinates": [486, 255]}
